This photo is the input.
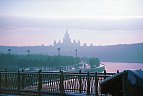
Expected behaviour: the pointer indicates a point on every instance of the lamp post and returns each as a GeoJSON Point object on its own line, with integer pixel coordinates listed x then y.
{"type": "Point", "coordinates": [28, 60]}
{"type": "Point", "coordinates": [76, 55]}
{"type": "Point", "coordinates": [58, 51]}
{"type": "Point", "coordinates": [58, 61]}
{"type": "Point", "coordinates": [9, 50]}
{"type": "Point", "coordinates": [28, 51]}
{"type": "Point", "coordinates": [9, 59]}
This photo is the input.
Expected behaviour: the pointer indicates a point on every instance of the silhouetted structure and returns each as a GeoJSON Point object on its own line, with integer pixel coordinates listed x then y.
{"type": "Point", "coordinates": [59, 51]}
{"type": "Point", "coordinates": [126, 83]}
{"type": "Point", "coordinates": [9, 50]}
{"type": "Point", "coordinates": [115, 53]}
{"type": "Point", "coordinates": [28, 51]}
{"type": "Point", "coordinates": [67, 42]}
{"type": "Point", "coordinates": [76, 55]}
{"type": "Point", "coordinates": [51, 83]}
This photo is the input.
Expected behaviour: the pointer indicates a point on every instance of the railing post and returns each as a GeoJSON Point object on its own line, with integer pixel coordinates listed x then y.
{"type": "Point", "coordinates": [80, 82]}
{"type": "Point", "coordinates": [96, 84]}
{"type": "Point", "coordinates": [39, 82]}
{"type": "Point", "coordinates": [18, 82]}
{"type": "Point", "coordinates": [61, 82]}
{"type": "Point", "coordinates": [124, 84]}
{"type": "Point", "coordinates": [88, 83]}
{"type": "Point", "coordinates": [0, 81]}
{"type": "Point", "coordinates": [104, 74]}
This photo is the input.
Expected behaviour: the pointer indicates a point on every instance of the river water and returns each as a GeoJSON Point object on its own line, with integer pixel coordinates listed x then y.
{"type": "Point", "coordinates": [114, 66]}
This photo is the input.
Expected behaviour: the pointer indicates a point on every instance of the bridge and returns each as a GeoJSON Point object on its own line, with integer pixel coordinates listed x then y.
{"type": "Point", "coordinates": [54, 83]}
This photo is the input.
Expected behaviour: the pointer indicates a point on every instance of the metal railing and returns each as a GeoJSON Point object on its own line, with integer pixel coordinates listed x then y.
{"type": "Point", "coordinates": [51, 82]}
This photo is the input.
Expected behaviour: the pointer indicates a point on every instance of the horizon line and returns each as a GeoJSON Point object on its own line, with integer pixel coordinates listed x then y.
{"type": "Point", "coordinates": [43, 45]}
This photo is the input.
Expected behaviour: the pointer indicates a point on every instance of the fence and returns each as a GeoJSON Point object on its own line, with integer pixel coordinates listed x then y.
{"type": "Point", "coordinates": [51, 82]}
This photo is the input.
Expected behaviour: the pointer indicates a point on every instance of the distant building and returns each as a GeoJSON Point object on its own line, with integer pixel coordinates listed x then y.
{"type": "Point", "coordinates": [67, 42]}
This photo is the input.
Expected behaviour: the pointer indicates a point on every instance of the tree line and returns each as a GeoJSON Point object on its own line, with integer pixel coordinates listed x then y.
{"type": "Point", "coordinates": [14, 62]}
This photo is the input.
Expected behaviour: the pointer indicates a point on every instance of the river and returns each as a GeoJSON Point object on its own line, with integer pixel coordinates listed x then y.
{"type": "Point", "coordinates": [114, 66]}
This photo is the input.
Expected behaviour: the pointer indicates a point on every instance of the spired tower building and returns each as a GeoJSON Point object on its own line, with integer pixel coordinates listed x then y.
{"type": "Point", "coordinates": [66, 39]}
{"type": "Point", "coordinates": [67, 42]}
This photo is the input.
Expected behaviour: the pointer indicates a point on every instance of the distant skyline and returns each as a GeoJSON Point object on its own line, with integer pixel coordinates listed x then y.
{"type": "Point", "coordinates": [100, 22]}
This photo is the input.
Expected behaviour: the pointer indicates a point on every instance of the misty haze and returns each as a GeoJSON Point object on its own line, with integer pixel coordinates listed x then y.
{"type": "Point", "coordinates": [67, 47]}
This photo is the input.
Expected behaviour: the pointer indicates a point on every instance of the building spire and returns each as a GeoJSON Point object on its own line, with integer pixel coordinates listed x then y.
{"type": "Point", "coordinates": [67, 34]}
{"type": "Point", "coordinates": [54, 42]}
{"type": "Point", "coordinates": [66, 39]}
{"type": "Point", "coordinates": [66, 30]}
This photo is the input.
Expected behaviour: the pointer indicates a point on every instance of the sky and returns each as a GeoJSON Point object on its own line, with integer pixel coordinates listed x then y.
{"type": "Point", "coordinates": [100, 22]}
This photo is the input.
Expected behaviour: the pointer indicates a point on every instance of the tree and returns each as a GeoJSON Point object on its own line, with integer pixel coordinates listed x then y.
{"type": "Point", "coordinates": [94, 62]}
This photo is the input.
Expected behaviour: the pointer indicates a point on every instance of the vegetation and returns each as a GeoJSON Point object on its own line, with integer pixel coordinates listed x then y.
{"type": "Point", "coordinates": [15, 62]}
{"type": "Point", "coordinates": [94, 62]}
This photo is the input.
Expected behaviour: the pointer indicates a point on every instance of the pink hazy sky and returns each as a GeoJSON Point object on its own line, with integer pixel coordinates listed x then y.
{"type": "Point", "coordinates": [100, 22]}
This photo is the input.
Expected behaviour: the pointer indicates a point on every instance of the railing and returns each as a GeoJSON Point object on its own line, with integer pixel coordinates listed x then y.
{"type": "Point", "coordinates": [51, 82]}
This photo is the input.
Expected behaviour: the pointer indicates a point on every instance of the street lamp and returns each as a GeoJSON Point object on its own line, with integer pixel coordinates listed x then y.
{"type": "Point", "coordinates": [76, 55]}
{"type": "Point", "coordinates": [28, 51]}
{"type": "Point", "coordinates": [58, 51]}
{"type": "Point", "coordinates": [9, 50]}
{"type": "Point", "coordinates": [58, 57]}
{"type": "Point", "coordinates": [9, 59]}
